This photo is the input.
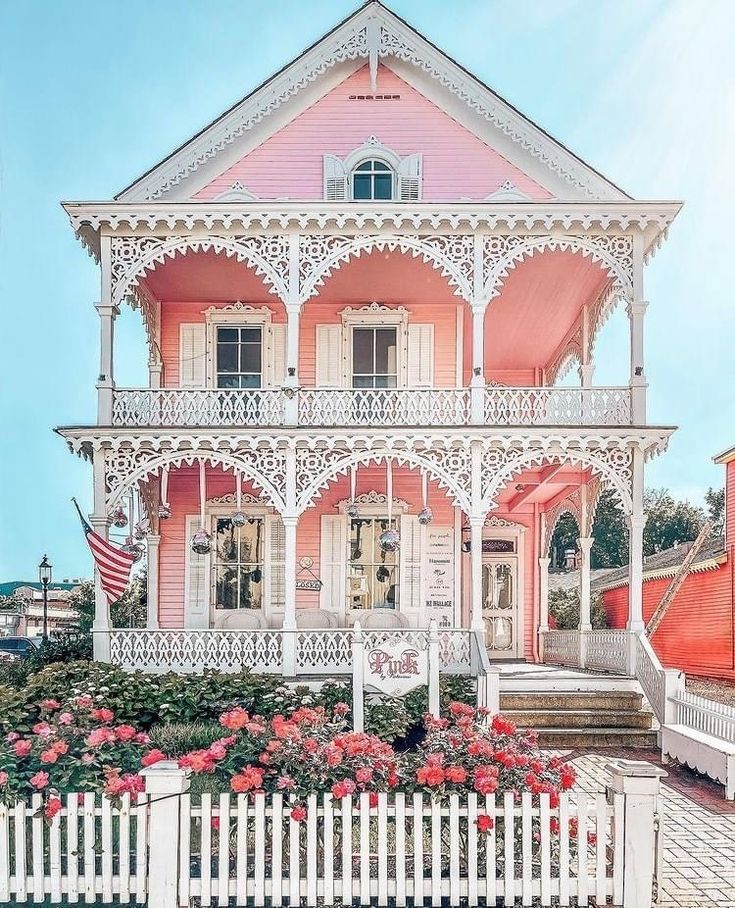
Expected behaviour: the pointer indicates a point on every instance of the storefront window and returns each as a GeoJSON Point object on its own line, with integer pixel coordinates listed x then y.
{"type": "Point", "coordinates": [238, 563]}
{"type": "Point", "coordinates": [372, 574]}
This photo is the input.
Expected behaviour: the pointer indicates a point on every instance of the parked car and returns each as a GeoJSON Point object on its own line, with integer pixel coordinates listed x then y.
{"type": "Point", "coordinates": [21, 647]}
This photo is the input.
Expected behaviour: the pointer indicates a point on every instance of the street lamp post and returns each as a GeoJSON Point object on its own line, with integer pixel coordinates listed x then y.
{"type": "Point", "coordinates": [44, 576]}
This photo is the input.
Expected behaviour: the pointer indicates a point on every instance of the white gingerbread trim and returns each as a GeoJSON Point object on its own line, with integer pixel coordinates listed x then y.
{"type": "Point", "coordinates": [373, 33]}
{"type": "Point", "coordinates": [374, 503]}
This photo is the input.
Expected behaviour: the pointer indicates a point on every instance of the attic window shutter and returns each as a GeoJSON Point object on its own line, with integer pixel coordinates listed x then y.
{"type": "Point", "coordinates": [409, 178]}
{"type": "Point", "coordinates": [192, 355]}
{"type": "Point", "coordinates": [420, 365]}
{"type": "Point", "coordinates": [335, 179]}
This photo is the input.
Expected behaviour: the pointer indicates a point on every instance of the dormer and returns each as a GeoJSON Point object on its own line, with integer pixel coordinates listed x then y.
{"type": "Point", "coordinates": [372, 172]}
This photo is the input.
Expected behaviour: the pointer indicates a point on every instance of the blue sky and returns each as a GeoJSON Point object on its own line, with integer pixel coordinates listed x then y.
{"type": "Point", "coordinates": [93, 93]}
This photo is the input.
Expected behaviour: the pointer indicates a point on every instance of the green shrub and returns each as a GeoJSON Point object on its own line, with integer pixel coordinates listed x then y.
{"type": "Point", "coordinates": [564, 607]}
{"type": "Point", "coordinates": [178, 738]}
{"type": "Point", "coordinates": [66, 648]}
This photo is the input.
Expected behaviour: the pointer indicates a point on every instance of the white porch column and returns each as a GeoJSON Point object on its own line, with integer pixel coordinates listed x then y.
{"type": "Point", "coordinates": [477, 383]}
{"type": "Point", "coordinates": [106, 378]}
{"type": "Point", "coordinates": [585, 548]}
{"type": "Point", "coordinates": [289, 606]}
{"type": "Point", "coordinates": [152, 574]}
{"type": "Point", "coordinates": [293, 313]}
{"type": "Point", "coordinates": [543, 587]}
{"type": "Point", "coordinates": [636, 523]}
{"type": "Point", "coordinates": [100, 524]}
{"type": "Point", "coordinates": [636, 313]}
{"type": "Point", "coordinates": [476, 526]}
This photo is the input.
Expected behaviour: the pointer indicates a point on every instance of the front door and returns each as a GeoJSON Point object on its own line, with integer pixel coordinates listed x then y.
{"type": "Point", "coordinates": [500, 605]}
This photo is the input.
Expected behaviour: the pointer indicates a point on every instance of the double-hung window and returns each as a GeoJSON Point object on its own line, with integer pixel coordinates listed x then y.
{"type": "Point", "coordinates": [239, 356]}
{"type": "Point", "coordinates": [238, 563]}
{"type": "Point", "coordinates": [374, 357]}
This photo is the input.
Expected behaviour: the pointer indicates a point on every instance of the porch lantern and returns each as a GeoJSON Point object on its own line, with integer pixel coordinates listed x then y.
{"type": "Point", "coordinates": [426, 515]}
{"type": "Point", "coordinates": [239, 519]}
{"type": "Point", "coordinates": [352, 510]}
{"type": "Point", "coordinates": [201, 541]}
{"type": "Point", "coordinates": [390, 539]}
{"type": "Point", "coordinates": [164, 508]}
{"type": "Point", "coordinates": [133, 548]}
{"type": "Point", "coordinates": [119, 518]}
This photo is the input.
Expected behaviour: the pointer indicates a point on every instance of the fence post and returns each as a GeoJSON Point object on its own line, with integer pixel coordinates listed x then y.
{"type": "Point", "coordinates": [674, 686]}
{"type": "Point", "coordinates": [632, 653]}
{"type": "Point", "coordinates": [488, 690]}
{"type": "Point", "coordinates": [164, 783]}
{"type": "Point", "coordinates": [433, 659]}
{"type": "Point", "coordinates": [358, 679]}
{"type": "Point", "coordinates": [640, 784]}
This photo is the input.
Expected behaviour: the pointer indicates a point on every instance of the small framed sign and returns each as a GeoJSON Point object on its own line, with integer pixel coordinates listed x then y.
{"type": "Point", "coordinates": [310, 581]}
{"type": "Point", "coordinates": [395, 667]}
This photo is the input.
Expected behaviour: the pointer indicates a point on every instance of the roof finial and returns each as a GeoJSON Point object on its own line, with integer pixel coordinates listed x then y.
{"type": "Point", "coordinates": [373, 45]}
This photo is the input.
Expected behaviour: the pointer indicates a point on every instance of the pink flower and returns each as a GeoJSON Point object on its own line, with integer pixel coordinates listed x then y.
{"type": "Point", "coordinates": [142, 738]}
{"type": "Point", "coordinates": [22, 747]}
{"type": "Point", "coordinates": [153, 756]}
{"type": "Point", "coordinates": [364, 775]}
{"type": "Point", "coordinates": [49, 756]}
{"type": "Point", "coordinates": [285, 783]}
{"type": "Point", "coordinates": [43, 729]}
{"type": "Point", "coordinates": [343, 789]}
{"type": "Point", "coordinates": [125, 732]}
{"type": "Point", "coordinates": [100, 736]}
{"type": "Point", "coordinates": [50, 704]}
{"type": "Point", "coordinates": [12, 736]}
{"type": "Point", "coordinates": [84, 701]}
{"type": "Point", "coordinates": [3, 778]}
{"type": "Point", "coordinates": [65, 719]}
{"type": "Point", "coordinates": [298, 813]}
{"type": "Point", "coordinates": [341, 709]}
{"type": "Point", "coordinates": [234, 719]}
{"type": "Point", "coordinates": [250, 778]}
{"type": "Point", "coordinates": [87, 758]}
{"type": "Point", "coordinates": [39, 780]}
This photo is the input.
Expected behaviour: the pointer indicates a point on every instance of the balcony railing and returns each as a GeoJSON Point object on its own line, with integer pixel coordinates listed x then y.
{"type": "Point", "coordinates": [370, 407]}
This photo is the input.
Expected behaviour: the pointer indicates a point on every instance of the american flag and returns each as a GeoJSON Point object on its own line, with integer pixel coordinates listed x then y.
{"type": "Point", "coordinates": [113, 564]}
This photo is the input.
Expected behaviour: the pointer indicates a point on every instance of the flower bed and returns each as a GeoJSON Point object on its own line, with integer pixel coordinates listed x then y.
{"type": "Point", "coordinates": [81, 746]}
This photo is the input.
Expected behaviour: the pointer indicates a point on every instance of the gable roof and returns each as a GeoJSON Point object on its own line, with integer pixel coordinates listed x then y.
{"type": "Point", "coordinates": [376, 34]}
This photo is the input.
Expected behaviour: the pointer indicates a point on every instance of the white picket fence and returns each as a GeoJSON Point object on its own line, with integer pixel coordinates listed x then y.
{"type": "Point", "coordinates": [170, 848]}
{"type": "Point", "coordinates": [707, 716]}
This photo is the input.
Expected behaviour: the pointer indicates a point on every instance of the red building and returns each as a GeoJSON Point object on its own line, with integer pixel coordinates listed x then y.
{"type": "Point", "coordinates": [697, 633]}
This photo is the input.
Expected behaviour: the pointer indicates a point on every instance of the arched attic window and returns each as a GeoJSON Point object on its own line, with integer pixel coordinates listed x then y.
{"type": "Point", "coordinates": [372, 173]}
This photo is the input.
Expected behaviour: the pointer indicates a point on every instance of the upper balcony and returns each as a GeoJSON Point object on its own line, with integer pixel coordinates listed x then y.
{"type": "Point", "coordinates": [370, 407]}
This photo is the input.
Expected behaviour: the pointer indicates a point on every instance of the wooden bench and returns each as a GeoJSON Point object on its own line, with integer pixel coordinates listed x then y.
{"type": "Point", "coordinates": [707, 754]}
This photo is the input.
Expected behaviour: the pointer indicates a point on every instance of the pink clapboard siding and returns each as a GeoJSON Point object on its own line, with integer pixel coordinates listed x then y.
{"type": "Point", "coordinates": [456, 163]}
{"type": "Point", "coordinates": [730, 505]}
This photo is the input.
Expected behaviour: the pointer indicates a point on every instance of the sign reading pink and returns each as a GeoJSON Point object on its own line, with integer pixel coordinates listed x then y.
{"type": "Point", "coordinates": [395, 667]}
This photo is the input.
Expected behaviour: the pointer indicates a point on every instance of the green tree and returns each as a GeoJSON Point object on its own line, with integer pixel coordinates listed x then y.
{"type": "Point", "coordinates": [128, 611]}
{"type": "Point", "coordinates": [669, 522]}
{"type": "Point", "coordinates": [715, 501]}
{"type": "Point", "coordinates": [610, 531]}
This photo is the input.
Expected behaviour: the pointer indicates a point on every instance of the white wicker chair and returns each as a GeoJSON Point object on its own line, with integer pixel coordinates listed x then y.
{"type": "Point", "coordinates": [384, 619]}
{"type": "Point", "coordinates": [239, 619]}
{"type": "Point", "coordinates": [315, 618]}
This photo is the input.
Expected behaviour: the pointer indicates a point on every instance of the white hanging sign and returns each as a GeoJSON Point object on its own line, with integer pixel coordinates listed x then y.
{"type": "Point", "coordinates": [439, 567]}
{"type": "Point", "coordinates": [395, 667]}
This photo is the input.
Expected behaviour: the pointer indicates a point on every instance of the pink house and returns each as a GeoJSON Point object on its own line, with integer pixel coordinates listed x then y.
{"type": "Point", "coordinates": [361, 287]}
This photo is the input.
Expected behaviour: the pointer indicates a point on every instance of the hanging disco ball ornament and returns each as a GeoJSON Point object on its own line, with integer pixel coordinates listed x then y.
{"type": "Point", "coordinates": [142, 528]}
{"type": "Point", "coordinates": [164, 511]}
{"type": "Point", "coordinates": [389, 540]}
{"type": "Point", "coordinates": [352, 510]}
{"type": "Point", "coordinates": [119, 518]}
{"type": "Point", "coordinates": [201, 542]}
{"type": "Point", "coordinates": [425, 516]}
{"type": "Point", "coordinates": [239, 519]}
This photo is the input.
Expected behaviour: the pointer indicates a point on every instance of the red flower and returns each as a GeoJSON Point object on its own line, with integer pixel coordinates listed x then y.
{"type": "Point", "coordinates": [215, 823]}
{"type": "Point", "coordinates": [39, 780]}
{"type": "Point", "coordinates": [250, 778]}
{"type": "Point", "coordinates": [503, 726]}
{"type": "Point", "coordinates": [298, 813]}
{"type": "Point", "coordinates": [197, 761]}
{"type": "Point", "coordinates": [153, 756]}
{"type": "Point", "coordinates": [456, 774]}
{"type": "Point", "coordinates": [103, 714]}
{"type": "Point", "coordinates": [235, 719]}
{"type": "Point", "coordinates": [53, 806]}
{"type": "Point", "coordinates": [125, 733]}
{"type": "Point", "coordinates": [461, 709]}
{"type": "Point", "coordinates": [567, 776]}
{"type": "Point", "coordinates": [343, 789]}
{"type": "Point", "coordinates": [49, 756]}
{"type": "Point", "coordinates": [430, 775]}
{"type": "Point", "coordinates": [484, 822]}
{"type": "Point", "coordinates": [363, 775]}
{"type": "Point", "coordinates": [373, 799]}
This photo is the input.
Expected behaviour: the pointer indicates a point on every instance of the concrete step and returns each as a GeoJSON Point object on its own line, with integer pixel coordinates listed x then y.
{"type": "Point", "coordinates": [558, 738]}
{"type": "Point", "coordinates": [592, 700]}
{"type": "Point", "coordinates": [580, 718]}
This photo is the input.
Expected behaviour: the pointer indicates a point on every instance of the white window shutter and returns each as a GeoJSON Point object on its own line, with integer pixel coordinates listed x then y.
{"type": "Point", "coordinates": [275, 568]}
{"type": "Point", "coordinates": [333, 563]}
{"type": "Point", "coordinates": [409, 178]}
{"type": "Point", "coordinates": [196, 581]}
{"type": "Point", "coordinates": [335, 179]}
{"type": "Point", "coordinates": [192, 355]}
{"type": "Point", "coordinates": [328, 356]}
{"type": "Point", "coordinates": [409, 577]}
{"type": "Point", "coordinates": [277, 355]}
{"type": "Point", "coordinates": [420, 359]}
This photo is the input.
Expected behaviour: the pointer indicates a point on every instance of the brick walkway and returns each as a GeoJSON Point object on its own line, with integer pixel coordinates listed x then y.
{"type": "Point", "coordinates": [699, 832]}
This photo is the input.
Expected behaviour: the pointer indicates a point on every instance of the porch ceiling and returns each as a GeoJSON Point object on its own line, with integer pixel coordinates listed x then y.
{"type": "Point", "coordinates": [539, 306]}
{"type": "Point", "coordinates": [207, 277]}
{"type": "Point", "coordinates": [542, 486]}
